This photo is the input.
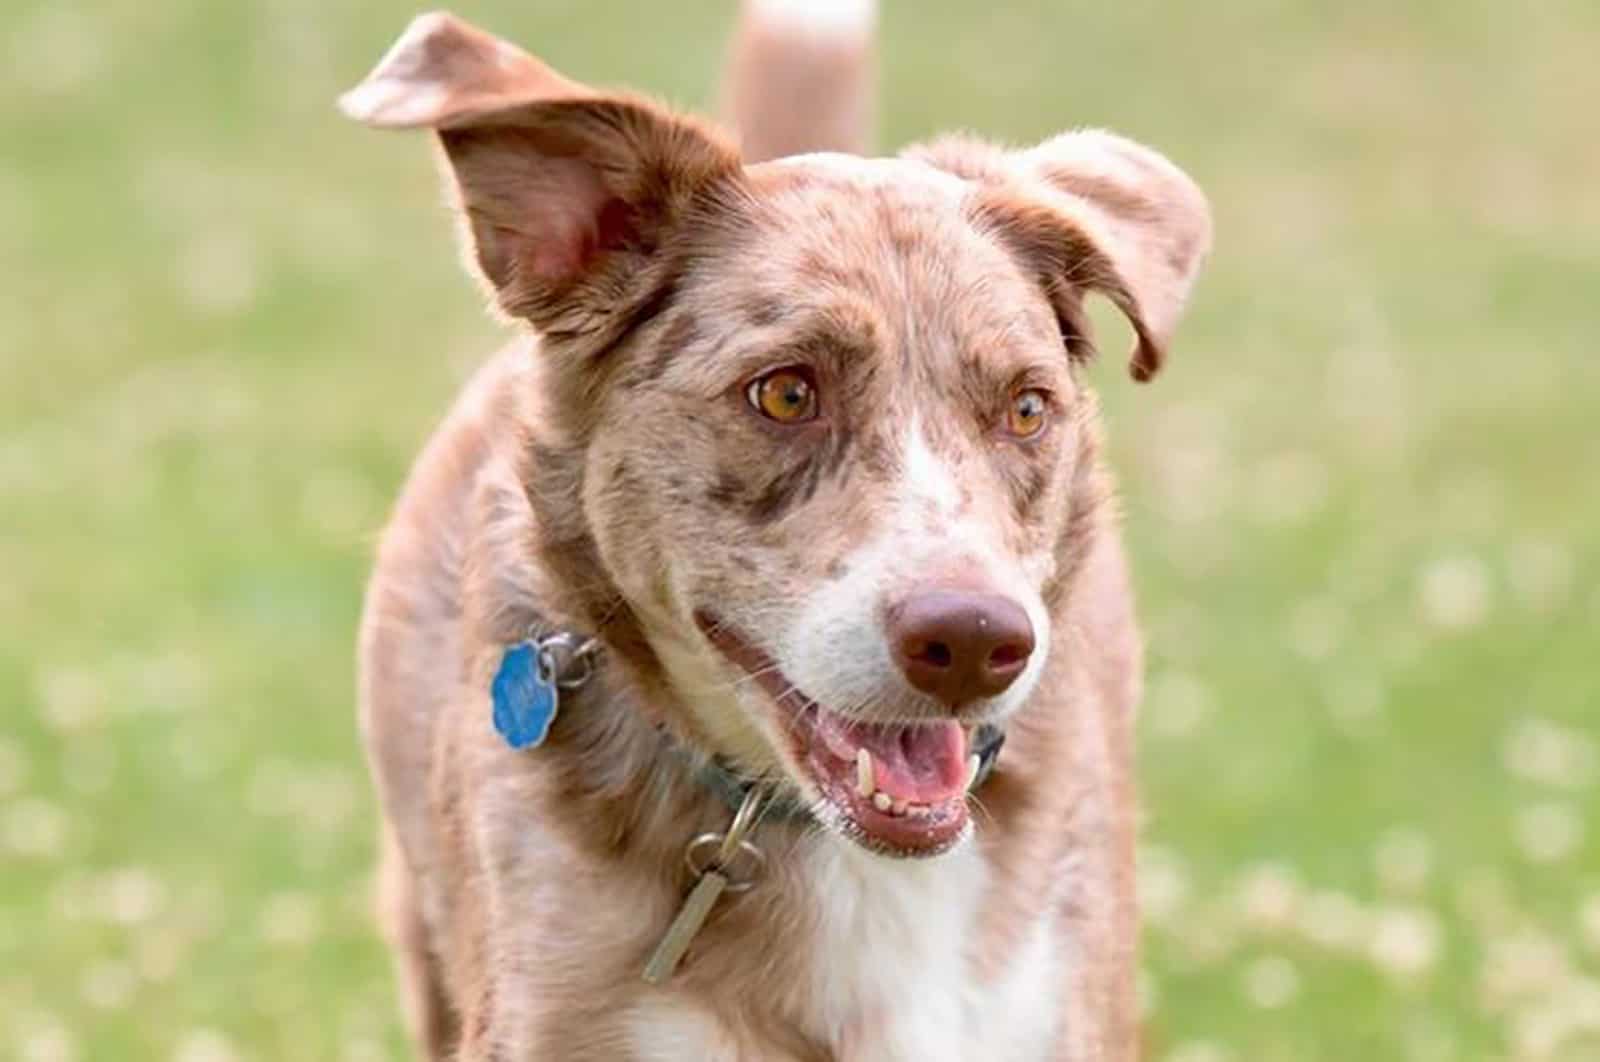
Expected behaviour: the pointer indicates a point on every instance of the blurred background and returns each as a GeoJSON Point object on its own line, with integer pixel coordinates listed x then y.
{"type": "Point", "coordinates": [1362, 501]}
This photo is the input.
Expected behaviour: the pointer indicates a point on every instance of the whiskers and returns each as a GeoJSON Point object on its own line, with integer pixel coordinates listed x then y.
{"type": "Point", "coordinates": [978, 807]}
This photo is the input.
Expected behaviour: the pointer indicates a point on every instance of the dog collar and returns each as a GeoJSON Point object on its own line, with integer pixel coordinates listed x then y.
{"type": "Point", "coordinates": [533, 674]}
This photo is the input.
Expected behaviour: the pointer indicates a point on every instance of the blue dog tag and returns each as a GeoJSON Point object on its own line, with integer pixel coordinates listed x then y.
{"type": "Point", "coordinates": [525, 697]}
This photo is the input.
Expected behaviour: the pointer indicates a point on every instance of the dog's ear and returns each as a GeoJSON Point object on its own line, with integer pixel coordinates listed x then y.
{"type": "Point", "coordinates": [1089, 211]}
{"type": "Point", "coordinates": [566, 192]}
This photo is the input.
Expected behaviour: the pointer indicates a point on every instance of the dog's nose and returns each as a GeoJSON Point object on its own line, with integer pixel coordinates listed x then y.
{"type": "Point", "coordinates": [960, 645]}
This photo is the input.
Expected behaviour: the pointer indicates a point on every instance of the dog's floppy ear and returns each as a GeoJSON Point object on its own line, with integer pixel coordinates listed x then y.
{"type": "Point", "coordinates": [1090, 211]}
{"type": "Point", "coordinates": [566, 192]}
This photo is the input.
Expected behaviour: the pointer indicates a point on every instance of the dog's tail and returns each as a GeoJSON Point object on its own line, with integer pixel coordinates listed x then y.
{"type": "Point", "coordinates": [801, 75]}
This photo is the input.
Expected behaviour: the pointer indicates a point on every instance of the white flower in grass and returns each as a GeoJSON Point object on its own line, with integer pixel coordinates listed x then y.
{"type": "Point", "coordinates": [1316, 627]}
{"type": "Point", "coordinates": [320, 798]}
{"type": "Point", "coordinates": [1190, 470]}
{"type": "Point", "coordinates": [1535, 1033]}
{"type": "Point", "coordinates": [36, 829]}
{"type": "Point", "coordinates": [71, 699]}
{"type": "Point", "coordinates": [1582, 1003]}
{"type": "Point", "coordinates": [363, 1049]}
{"type": "Point", "coordinates": [108, 985]}
{"type": "Point", "coordinates": [1334, 921]}
{"type": "Point", "coordinates": [1482, 898]}
{"type": "Point", "coordinates": [200, 753]}
{"type": "Point", "coordinates": [1356, 704]}
{"type": "Point", "coordinates": [1401, 644]}
{"type": "Point", "coordinates": [1403, 859]}
{"type": "Point", "coordinates": [46, 1039]}
{"type": "Point", "coordinates": [1204, 939]}
{"type": "Point", "coordinates": [1405, 941]}
{"type": "Point", "coordinates": [204, 1045]}
{"type": "Point", "coordinates": [1549, 1025]}
{"type": "Point", "coordinates": [1471, 504]}
{"type": "Point", "coordinates": [57, 51]}
{"type": "Point", "coordinates": [1289, 488]}
{"type": "Point", "coordinates": [74, 897]}
{"type": "Point", "coordinates": [89, 768]}
{"type": "Point", "coordinates": [159, 952]}
{"type": "Point", "coordinates": [1526, 964]}
{"type": "Point", "coordinates": [1271, 982]}
{"type": "Point", "coordinates": [1177, 705]}
{"type": "Point", "coordinates": [13, 768]}
{"type": "Point", "coordinates": [132, 896]}
{"type": "Point", "coordinates": [218, 271]}
{"type": "Point", "coordinates": [16, 211]}
{"type": "Point", "coordinates": [201, 908]}
{"type": "Point", "coordinates": [1589, 921]}
{"type": "Point", "coordinates": [1540, 573]}
{"type": "Point", "coordinates": [1200, 1051]}
{"type": "Point", "coordinates": [1548, 832]}
{"type": "Point", "coordinates": [1163, 884]}
{"type": "Point", "coordinates": [367, 1013]}
{"type": "Point", "coordinates": [1431, 1037]}
{"type": "Point", "coordinates": [1268, 896]}
{"type": "Point", "coordinates": [289, 919]}
{"type": "Point", "coordinates": [338, 506]}
{"type": "Point", "coordinates": [1546, 752]}
{"type": "Point", "coordinates": [1453, 592]}
{"type": "Point", "coordinates": [1147, 993]}
{"type": "Point", "coordinates": [176, 681]}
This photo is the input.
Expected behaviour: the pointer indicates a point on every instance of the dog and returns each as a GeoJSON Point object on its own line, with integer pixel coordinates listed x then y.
{"type": "Point", "coordinates": [749, 666]}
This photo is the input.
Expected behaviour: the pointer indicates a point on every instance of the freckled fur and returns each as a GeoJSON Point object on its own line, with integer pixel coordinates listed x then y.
{"type": "Point", "coordinates": [603, 473]}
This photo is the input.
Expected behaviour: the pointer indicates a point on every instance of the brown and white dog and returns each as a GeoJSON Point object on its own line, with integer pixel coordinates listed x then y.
{"type": "Point", "coordinates": [804, 444]}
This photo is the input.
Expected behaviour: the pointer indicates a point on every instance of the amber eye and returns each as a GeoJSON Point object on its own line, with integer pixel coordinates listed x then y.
{"type": "Point", "coordinates": [1027, 414]}
{"type": "Point", "coordinates": [788, 396]}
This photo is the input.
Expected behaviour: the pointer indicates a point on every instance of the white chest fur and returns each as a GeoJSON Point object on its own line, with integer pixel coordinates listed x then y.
{"type": "Point", "coordinates": [893, 962]}
{"type": "Point", "coordinates": [890, 979]}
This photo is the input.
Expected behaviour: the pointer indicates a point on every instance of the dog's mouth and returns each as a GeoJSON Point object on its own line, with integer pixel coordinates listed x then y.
{"type": "Point", "coordinates": [894, 788]}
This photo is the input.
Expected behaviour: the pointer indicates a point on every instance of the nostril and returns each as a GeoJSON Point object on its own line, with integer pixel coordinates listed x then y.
{"type": "Point", "coordinates": [1006, 657]}
{"type": "Point", "coordinates": [933, 654]}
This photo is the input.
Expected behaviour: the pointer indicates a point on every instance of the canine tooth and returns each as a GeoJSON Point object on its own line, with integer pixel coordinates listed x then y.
{"type": "Point", "coordinates": [972, 770]}
{"type": "Point", "coordinates": [882, 801]}
{"type": "Point", "coordinates": [866, 780]}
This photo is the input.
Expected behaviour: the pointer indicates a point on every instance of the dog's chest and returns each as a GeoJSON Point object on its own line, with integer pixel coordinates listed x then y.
{"type": "Point", "coordinates": [893, 976]}
{"type": "Point", "coordinates": [888, 975]}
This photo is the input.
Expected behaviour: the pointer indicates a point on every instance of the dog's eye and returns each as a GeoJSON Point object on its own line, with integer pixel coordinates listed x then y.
{"type": "Point", "coordinates": [788, 396]}
{"type": "Point", "coordinates": [1026, 417]}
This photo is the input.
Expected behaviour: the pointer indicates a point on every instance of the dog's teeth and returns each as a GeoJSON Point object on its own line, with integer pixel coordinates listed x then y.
{"type": "Point", "coordinates": [899, 807]}
{"type": "Point", "coordinates": [882, 801]}
{"type": "Point", "coordinates": [918, 811]}
{"type": "Point", "coordinates": [972, 770]}
{"type": "Point", "coordinates": [866, 779]}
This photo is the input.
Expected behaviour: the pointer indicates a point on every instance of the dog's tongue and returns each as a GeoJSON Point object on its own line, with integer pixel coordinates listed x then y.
{"type": "Point", "coordinates": [925, 762]}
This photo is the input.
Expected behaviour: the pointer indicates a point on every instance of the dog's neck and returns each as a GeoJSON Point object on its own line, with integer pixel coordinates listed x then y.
{"type": "Point", "coordinates": [530, 563]}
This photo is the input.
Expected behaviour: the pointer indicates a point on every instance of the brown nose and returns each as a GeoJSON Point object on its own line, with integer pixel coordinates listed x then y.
{"type": "Point", "coordinates": [959, 645]}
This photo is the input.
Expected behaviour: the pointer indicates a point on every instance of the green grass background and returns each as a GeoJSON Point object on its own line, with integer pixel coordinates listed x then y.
{"type": "Point", "coordinates": [1363, 501]}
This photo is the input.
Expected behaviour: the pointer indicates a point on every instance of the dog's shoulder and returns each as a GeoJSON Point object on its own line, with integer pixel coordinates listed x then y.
{"type": "Point", "coordinates": [412, 643]}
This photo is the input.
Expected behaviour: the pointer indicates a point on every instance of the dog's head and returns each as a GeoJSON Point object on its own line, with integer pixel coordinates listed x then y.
{"type": "Point", "coordinates": [820, 425]}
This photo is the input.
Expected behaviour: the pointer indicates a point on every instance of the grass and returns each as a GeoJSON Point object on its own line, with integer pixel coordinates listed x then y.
{"type": "Point", "coordinates": [1362, 503]}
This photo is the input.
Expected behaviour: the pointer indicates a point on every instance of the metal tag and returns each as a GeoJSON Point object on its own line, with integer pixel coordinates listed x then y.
{"type": "Point", "coordinates": [691, 916]}
{"type": "Point", "coordinates": [710, 858]}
